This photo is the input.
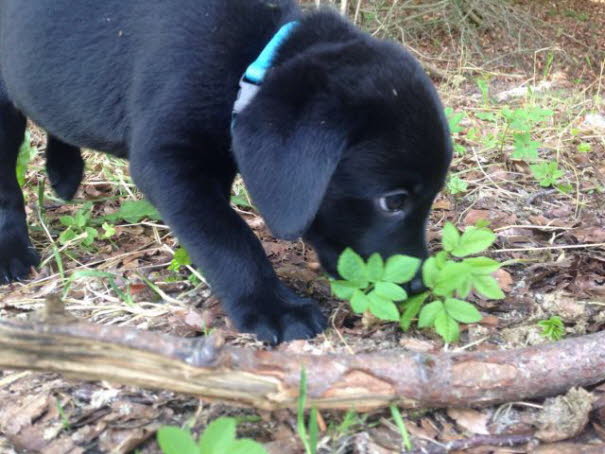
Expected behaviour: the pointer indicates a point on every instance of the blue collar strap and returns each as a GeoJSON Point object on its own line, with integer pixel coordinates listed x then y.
{"type": "Point", "coordinates": [255, 74]}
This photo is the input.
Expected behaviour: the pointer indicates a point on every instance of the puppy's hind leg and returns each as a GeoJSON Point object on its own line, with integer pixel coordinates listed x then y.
{"type": "Point", "coordinates": [64, 166]}
{"type": "Point", "coordinates": [16, 252]}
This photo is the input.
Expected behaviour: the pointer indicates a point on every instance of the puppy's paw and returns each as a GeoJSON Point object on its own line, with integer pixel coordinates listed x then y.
{"type": "Point", "coordinates": [279, 317]}
{"type": "Point", "coordinates": [17, 256]}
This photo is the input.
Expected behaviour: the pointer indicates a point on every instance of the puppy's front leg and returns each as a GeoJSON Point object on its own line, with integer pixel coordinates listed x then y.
{"type": "Point", "coordinates": [194, 202]}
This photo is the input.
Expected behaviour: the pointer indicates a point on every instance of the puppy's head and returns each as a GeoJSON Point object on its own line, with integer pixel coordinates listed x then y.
{"type": "Point", "coordinates": [346, 146]}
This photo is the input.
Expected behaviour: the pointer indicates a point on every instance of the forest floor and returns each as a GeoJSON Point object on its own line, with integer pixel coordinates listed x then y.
{"type": "Point", "coordinates": [117, 266]}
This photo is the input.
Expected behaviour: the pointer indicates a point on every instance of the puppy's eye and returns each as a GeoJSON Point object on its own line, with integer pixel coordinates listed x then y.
{"type": "Point", "coordinates": [393, 202]}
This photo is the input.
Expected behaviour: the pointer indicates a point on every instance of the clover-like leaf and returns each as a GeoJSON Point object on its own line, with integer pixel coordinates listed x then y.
{"type": "Point", "coordinates": [488, 287]}
{"type": "Point", "coordinates": [174, 440]}
{"type": "Point", "coordinates": [411, 308]}
{"type": "Point", "coordinates": [218, 436]}
{"type": "Point", "coordinates": [482, 265]}
{"type": "Point", "coordinates": [430, 272]}
{"type": "Point", "coordinates": [343, 289]}
{"type": "Point", "coordinates": [447, 327]}
{"type": "Point", "coordinates": [450, 237]}
{"type": "Point", "coordinates": [375, 267]}
{"type": "Point", "coordinates": [400, 269]}
{"type": "Point", "coordinates": [473, 240]}
{"type": "Point", "coordinates": [429, 313]}
{"type": "Point", "coordinates": [462, 311]}
{"type": "Point", "coordinates": [352, 267]}
{"type": "Point", "coordinates": [451, 277]}
{"type": "Point", "coordinates": [390, 291]}
{"type": "Point", "coordinates": [383, 308]}
{"type": "Point", "coordinates": [359, 302]}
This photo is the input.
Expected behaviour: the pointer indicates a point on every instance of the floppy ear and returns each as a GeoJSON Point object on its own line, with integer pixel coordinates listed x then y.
{"type": "Point", "coordinates": [287, 144]}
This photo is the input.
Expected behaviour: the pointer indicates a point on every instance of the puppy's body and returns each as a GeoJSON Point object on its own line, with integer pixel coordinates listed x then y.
{"type": "Point", "coordinates": [341, 120]}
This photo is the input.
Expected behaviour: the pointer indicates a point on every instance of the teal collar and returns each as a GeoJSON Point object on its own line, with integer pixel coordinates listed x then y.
{"type": "Point", "coordinates": [255, 73]}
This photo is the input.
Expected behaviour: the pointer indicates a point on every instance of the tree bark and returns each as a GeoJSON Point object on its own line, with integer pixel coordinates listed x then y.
{"type": "Point", "coordinates": [269, 379]}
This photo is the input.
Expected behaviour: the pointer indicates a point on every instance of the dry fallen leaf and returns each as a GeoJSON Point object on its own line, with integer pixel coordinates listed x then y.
{"type": "Point", "coordinates": [473, 421]}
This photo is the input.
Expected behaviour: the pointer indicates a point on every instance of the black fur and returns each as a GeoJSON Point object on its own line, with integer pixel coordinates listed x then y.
{"type": "Point", "coordinates": [341, 119]}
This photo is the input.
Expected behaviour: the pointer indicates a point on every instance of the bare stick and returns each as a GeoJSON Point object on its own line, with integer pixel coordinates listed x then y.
{"type": "Point", "coordinates": [269, 379]}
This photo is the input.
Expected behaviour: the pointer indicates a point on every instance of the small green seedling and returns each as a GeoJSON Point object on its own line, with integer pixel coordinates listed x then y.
{"type": "Point", "coordinates": [456, 185]}
{"type": "Point", "coordinates": [79, 227]}
{"type": "Point", "coordinates": [584, 147]}
{"type": "Point", "coordinates": [451, 276]}
{"type": "Point", "coordinates": [454, 119]}
{"type": "Point", "coordinates": [179, 260]}
{"type": "Point", "coordinates": [521, 122]}
{"type": "Point", "coordinates": [218, 438]}
{"type": "Point", "coordinates": [308, 433]}
{"type": "Point", "coordinates": [372, 286]}
{"type": "Point", "coordinates": [553, 328]}
{"type": "Point", "coordinates": [547, 173]}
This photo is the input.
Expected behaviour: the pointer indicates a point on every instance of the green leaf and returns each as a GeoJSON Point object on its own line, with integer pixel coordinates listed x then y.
{"type": "Point", "coordinates": [91, 234]}
{"type": "Point", "coordinates": [343, 289]}
{"type": "Point", "coordinates": [429, 313]}
{"type": "Point", "coordinates": [447, 327]}
{"type": "Point", "coordinates": [430, 272]}
{"type": "Point", "coordinates": [245, 446]}
{"type": "Point", "coordinates": [26, 153]}
{"type": "Point", "coordinates": [132, 211]}
{"type": "Point", "coordinates": [488, 287]}
{"type": "Point", "coordinates": [218, 436]}
{"type": "Point", "coordinates": [451, 277]}
{"type": "Point", "coordinates": [352, 267]}
{"type": "Point", "coordinates": [482, 265]}
{"type": "Point", "coordinates": [359, 302]}
{"type": "Point", "coordinates": [390, 291]}
{"type": "Point", "coordinates": [441, 258]}
{"type": "Point", "coordinates": [464, 287]}
{"type": "Point", "coordinates": [450, 237]}
{"type": "Point", "coordinates": [67, 235]}
{"type": "Point", "coordinates": [383, 308]}
{"type": "Point", "coordinates": [411, 308]}
{"type": "Point", "coordinates": [462, 311]}
{"type": "Point", "coordinates": [109, 230]}
{"type": "Point", "coordinates": [474, 240]}
{"type": "Point", "coordinates": [67, 221]}
{"type": "Point", "coordinates": [400, 269]}
{"type": "Point", "coordinates": [375, 267]}
{"type": "Point", "coordinates": [174, 440]}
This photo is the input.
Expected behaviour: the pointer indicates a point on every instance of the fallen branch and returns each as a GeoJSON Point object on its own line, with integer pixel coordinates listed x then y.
{"type": "Point", "coordinates": [204, 367]}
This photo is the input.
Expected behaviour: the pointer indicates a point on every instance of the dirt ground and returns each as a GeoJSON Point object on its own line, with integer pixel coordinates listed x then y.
{"type": "Point", "coordinates": [552, 238]}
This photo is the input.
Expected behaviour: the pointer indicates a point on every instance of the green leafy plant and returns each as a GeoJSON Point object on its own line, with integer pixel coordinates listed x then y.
{"type": "Point", "coordinates": [454, 119]}
{"type": "Point", "coordinates": [133, 211]}
{"type": "Point", "coordinates": [79, 227]}
{"type": "Point", "coordinates": [450, 275]}
{"type": "Point", "coordinates": [456, 185]}
{"type": "Point", "coordinates": [547, 173]}
{"type": "Point", "coordinates": [372, 286]}
{"type": "Point", "coordinates": [521, 122]}
{"type": "Point", "coordinates": [308, 433]}
{"type": "Point", "coordinates": [553, 328]}
{"type": "Point", "coordinates": [584, 147]}
{"type": "Point", "coordinates": [180, 259]}
{"type": "Point", "coordinates": [218, 438]}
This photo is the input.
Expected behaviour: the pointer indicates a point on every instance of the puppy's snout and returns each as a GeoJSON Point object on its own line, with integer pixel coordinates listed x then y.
{"type": "Point", "coordinates": [416, 285]}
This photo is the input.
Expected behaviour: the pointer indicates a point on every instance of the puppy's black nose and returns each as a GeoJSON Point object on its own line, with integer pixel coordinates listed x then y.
{"type": "Point", "coordinates": [417, 286]}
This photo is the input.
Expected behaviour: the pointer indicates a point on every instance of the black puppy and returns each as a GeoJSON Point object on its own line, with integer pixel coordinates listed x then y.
{"type": "Point", "coordinates": [344, 141]}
